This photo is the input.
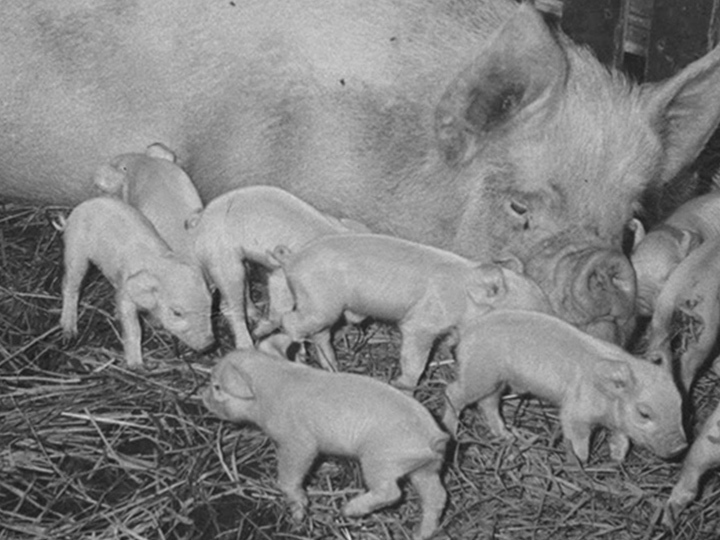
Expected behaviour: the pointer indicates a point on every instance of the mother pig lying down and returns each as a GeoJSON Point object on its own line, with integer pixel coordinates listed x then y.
{"type": "Point", "coordinates": [467, 125]}
{"type": "Point", "coordinates": [428, 292]}
{"type": "Point", "coordinates": [594, 383]}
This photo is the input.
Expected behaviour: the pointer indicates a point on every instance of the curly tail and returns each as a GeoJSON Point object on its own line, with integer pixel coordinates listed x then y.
{"type": "Point", "coordinates": [59, 222]}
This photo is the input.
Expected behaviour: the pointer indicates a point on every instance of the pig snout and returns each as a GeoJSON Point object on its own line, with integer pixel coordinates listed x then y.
{"type": "Point", "coordinates": [602, 293]}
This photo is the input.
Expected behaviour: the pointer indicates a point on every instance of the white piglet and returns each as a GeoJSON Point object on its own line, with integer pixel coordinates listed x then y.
{"type": "Point", "coordinates": [426, 291]}
{"type": "Point", "coordinates": [158, 188]}
{"type": "Point", "coordinates": [309, 411]}
{"type": "Point", "coordinates": [693, 292]}
{"type": "Point", "coordinates": [657, 254]}
{"type": "Point", "coordinates": [146, 273]}
{"type": "Point", "coordinates": [704, 455]}
{"type": "Point", "coordinates": [245, 224]}
{"type": "Point", "coordinates": [594, 382]}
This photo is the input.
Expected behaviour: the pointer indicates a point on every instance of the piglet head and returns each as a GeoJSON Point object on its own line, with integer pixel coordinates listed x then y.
{"type": "Point", "coordinates": [645, 403]}
{"type": "Point", "coordinates": [503, 286]}
{"type": "Point", "coordinates": [655, 258]}
{"type": "Point", "coordinates": [230, 394]}
{"type": "Point", "coordinates": [178, 300]}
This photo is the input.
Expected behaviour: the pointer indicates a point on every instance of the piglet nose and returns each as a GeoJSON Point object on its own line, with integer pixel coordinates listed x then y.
{"type": "Point", "coordinates": [605, 284]}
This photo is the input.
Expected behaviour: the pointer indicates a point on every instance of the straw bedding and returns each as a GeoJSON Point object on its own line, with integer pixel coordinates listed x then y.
{"type": "Point", "coordinates": [91, 450]}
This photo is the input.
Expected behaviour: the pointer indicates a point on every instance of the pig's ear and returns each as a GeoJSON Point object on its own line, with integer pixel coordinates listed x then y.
{"type": "Point", "coordinates": [614, 378]}
{"type": "Point", "coordinates": [638, 230]}
{"type": "Point", "coordinates": [487, 284]}
{"type": "Point", "coordinates": [238, 383]}
{"type": "Point", "coordinates": [520, 68]}
{"type": "Point", "coordinates": [109, 179]}
{"type": "Point", "coordinates": [193, 220]}
{"type": "Point", "coordinates": [511, 262]}
{"type": "Point", "coordinates": [685, 110]}
{"type": "Point", "coordinates": [160, 151]}
{"type": "Point", "coordinates": [143, 288]}
{"type": "Point", "coordinates": [689, 242]}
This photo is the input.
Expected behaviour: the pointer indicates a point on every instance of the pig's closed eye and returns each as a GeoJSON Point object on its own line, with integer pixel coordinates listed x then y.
{"type": "Point", "coordinates": [644, 412]}
{"type": "Point", "coordinates": [177, 313]}
{"type": "Point", "coordinates": [519, 211]}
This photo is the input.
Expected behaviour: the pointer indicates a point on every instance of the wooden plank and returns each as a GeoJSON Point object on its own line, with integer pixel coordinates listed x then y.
{"type": "Point", "coordinates": [681, 32]}
{"type": "Point", "coordinates": [598, 24]}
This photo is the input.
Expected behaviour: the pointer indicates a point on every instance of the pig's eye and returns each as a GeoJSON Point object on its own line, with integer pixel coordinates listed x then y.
{"type": "Point", "coordinates": [176, 313]}
{"type": "Point", "coordinates": [518, 208]}
{"type": "Point", "coordinates": [519, 211]}
{"type": "Point", "coordinates": [644, 412]}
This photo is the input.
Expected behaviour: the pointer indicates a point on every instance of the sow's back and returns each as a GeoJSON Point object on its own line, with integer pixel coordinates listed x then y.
{"type": "Point", "coordinates": [466, 124]}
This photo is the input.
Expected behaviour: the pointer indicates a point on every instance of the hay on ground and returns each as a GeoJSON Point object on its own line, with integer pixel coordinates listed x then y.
{"type": "Point", "coordinates": [89, 449]}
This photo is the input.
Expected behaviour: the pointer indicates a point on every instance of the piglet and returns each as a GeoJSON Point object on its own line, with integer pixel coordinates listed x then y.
{"type": "Point", "coordinates": [657, 254]}
{"type": "Point", "coordinates": [146, 273]}
{"type": "Point", "coordinates": [428, 292]}
{"type": "Point", "coordinates": [158, 188]}
{"type": "Point", "coordinates": [704, 455]}
{"type": "Point", "coordinates": [308, 411]}
{"type": "Point", "coordinates": [692, 290]}
{"type": "Point", "coordinates": [243, 225]}
{"type": "Point", "coordinates": [592, 381]}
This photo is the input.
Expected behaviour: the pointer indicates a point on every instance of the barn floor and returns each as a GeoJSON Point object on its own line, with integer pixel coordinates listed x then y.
{"type": "Point", "coordinates": [91, 450]}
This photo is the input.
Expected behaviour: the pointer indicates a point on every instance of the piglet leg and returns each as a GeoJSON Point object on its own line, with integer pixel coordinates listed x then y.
{"type": "Point", "coordinates": [294, 461]}
{"type": "Point", "coordinates": [416, 346]}
{"type": "Point", "coordinates": [76, 267]}
{"type": "Point", "coordinates": [703, 455]}
{"type": "Point", "coordinates": [433, 497]}
{"type": "Point", "coordinates": [228, 274]}
{"type": "Point", "coordinates": [381, 478]}
{"type": "Point", "coordinates": [131, 331]}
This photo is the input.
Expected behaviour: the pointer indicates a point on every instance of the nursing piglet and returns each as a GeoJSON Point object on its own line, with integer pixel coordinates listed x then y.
{"type": "Point", "coordinates": [309, 411]}
{"type": "Point", "coordinates": [592, 381]}
{"type": "Point", "coordinates": [245, 224]}
{"type": "Point", "coordinates": [657, 254]}
{"type": "Point", "coordinates": [704, 455]}
{"type": "Point", "coordinates": [155, 185]}
{"type": "Point", "coordinates": [146, 273]}
{"type": "Point", "coordinates": [693, 290]}
{"type": "Point", "coordinates": [428, 292]}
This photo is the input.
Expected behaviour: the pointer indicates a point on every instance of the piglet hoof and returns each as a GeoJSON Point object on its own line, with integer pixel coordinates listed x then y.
{"type": "Point", "coordinates": [675, 505]}
{"type": "Point", "coordinates": [297, 511]}
{"type": "Point", "coordinates": [619, 447]}
{"type": "Point", "coordinates": [264, 328]}
{"type": "Point", "coordinates": [403, 385]}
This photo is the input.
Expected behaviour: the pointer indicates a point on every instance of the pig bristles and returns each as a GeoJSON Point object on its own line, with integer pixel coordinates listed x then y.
{"type": "Point", "coordinates": [89, 449]}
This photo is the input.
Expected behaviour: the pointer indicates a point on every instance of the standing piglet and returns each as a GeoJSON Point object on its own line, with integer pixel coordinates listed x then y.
{"type": "Point", "coordinates": [693, 290]}
{"type": "Point", "coordinates": [145, 272]}
{"type": "Point", "coordinates": [245, 224]}
{"type": "Point", "coordinates": [155, 185]}
{"type": "Point", "coordinates": [308, 411]}
{"type": "Point", "coordinates": [592, 381]}
{"type": "Point", "coordinates": [704, 455]}
{"type": "Point", "coordinates": [657, 254]}
{"type": "Point", "coordinates": [428, 292]}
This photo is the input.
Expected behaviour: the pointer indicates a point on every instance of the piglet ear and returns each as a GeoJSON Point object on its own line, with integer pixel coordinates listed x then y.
{"type": "Point", "coordinates": [487, 284]}
{"type": "Point", "coordinates": [109, 179]}
{"type": "Point", "coordinates": [143, 289]}
{"type": "Point", "coordinates": [193, 220]}
{"type": "Point", "coordinates": [510, 262]}
{"type": "Point", "coordinates": [685, 110]}
{"type": "Point", "coordinates": [160, 151]}
{"type": "Point", "coordinates": [689, 242]}
{"type": "Point", "coordinates": [614, 378]}
{"type": "Point", "coordinates": [518, 70]}
{"type": "Point", "coordinates": [237, 383]}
